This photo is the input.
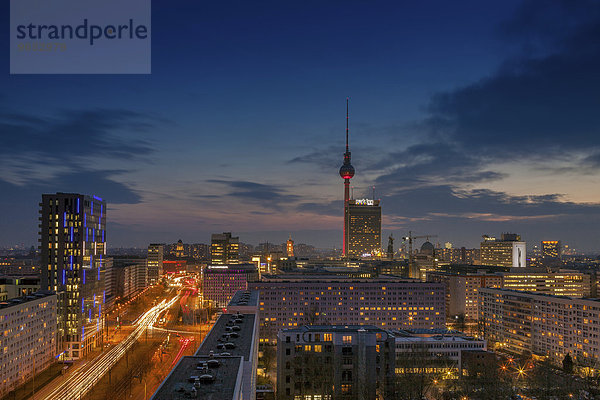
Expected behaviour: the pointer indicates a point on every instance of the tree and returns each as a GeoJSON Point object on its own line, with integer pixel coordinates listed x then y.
{"type": "Point", "coordinates": [567, 364]}
{"type": "Point", "coordinates": [419, 370]}
{"type": "Point", "coordinates": [313, 372]}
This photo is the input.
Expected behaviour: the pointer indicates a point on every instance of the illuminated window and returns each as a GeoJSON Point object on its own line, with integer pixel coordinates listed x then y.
{"type": "Point", "coordinates": [327, 337]}
{"type": "Point", "coordinates": [347, 339]}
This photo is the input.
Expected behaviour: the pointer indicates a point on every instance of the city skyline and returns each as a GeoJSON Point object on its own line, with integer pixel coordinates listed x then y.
{"type": "Point", "coordinates": [460, 123]}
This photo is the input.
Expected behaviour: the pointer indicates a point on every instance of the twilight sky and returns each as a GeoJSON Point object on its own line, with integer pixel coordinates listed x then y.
{"type": "Point", "coordinates": [468, 117]}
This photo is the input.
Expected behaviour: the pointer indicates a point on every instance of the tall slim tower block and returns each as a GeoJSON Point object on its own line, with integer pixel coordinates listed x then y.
{"type": "Point", "coordinates": [224, 249]}
{"type": "Point", "coordinates": [154, 262]}
{"type": "Point", "coordinates": [346, 172]}
{"type": "Point", "coordinates": [72, 248]}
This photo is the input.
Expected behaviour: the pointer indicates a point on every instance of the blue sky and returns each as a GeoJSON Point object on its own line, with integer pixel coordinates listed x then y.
{"type": "Point", "coordinates": [468, 117]}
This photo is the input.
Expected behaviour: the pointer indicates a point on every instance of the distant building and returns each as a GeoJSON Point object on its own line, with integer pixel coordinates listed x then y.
{"type": "Point", "coordinates": [509, 251]}
{"type": "Point", "coordinates": [174, 266]}
{"type": "Point", "coordinates": [28, 340]}
{"type": "Point", "coordinates": [200, 251]}
{"type": "Point", "coordinates": [128, 276]}
{"type": "Point", "coordinates": [224, 249]}
{"type": "Point", "coordinates": [551, 253]}
{"type": "Point", "coordinates": [73, 246]}
{"type": "Point", "coordinates": [18, 286]}
{"type": "Point", "coordinates": [155, 263]}
{"type": "Point", "coordinates": [364, 228]}
{"type": "Point", "coordinates": [335, 362]}
{"type": "Point", "coordinates": [179, 249]}
{"type": "Point", "coordinates": [290, 301]}
{"type": "Point", "coordinates": [457, 255]}
{"type": "Point", "coordinates": [290, 247]}
{"type": "Point", "coordinates": [462, 291]}
{"type": "Point", "coordinates": [221, 282]}
{"type": "Point", "coordinates": [556, 283]}
{"type": "Point", "coordinates": [549, 326]}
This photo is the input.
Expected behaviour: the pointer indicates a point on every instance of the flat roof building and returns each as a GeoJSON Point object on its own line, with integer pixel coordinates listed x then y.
{"type": "Point", "coordinates": [221, 282]}
{"type": "Point", "coordinates": [550, 326]}
{"type": "Point", "coordinates": [386, 302]}
{"type": "Point", "coordinates": [508, 251]}
{"type": "Point", "coordinates": [29, 338]}
{"type": "Point", "coordinates": [224, 366]}
{"type": "Point", "coordinates": [335, 362]}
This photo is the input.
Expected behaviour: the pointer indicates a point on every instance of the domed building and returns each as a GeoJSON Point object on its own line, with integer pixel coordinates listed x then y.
{"type": "Point", "coordinates": [427, 249]}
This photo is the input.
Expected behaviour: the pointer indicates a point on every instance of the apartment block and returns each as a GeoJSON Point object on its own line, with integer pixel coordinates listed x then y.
{"type": "Point", "coordinates": [388, 303]}
{"type": "Point", "coordinates": [335, 362]}
{"type": "Point", "coordinates": [28, 338]}
{"type": "Point", "coordinates": [544, 325]}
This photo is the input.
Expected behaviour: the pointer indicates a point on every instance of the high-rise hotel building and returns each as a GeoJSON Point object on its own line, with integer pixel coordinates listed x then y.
{"type": "Point", "coordinates": [364, 228]}
{"type": "Point", "coordinates": [508, 251]}
{"type": "Point", "coordinates": [72, 248]}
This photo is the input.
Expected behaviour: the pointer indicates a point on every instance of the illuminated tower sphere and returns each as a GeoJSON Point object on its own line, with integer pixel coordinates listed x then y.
{"type": "Point", "coordinates": [347, 170]}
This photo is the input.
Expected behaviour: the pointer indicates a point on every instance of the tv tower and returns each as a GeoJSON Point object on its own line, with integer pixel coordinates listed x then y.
{"type": "Point", "coordinates": [346, 172]}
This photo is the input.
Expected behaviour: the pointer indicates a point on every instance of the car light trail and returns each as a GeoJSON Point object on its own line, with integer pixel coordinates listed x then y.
{"type": "Point", "coordinates": [84, 379]}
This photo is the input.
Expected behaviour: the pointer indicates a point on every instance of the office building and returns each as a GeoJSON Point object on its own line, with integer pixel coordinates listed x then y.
{"type": "Point", "coordinates": [155, 263]}
{"type": "Point", "coordinates": [388, 303]}
{"type": "Point", "coordinates": [558, 283]}
{"type": "Point", "coordinates": [335, 362]}
{"type": "Point", "coordinates": [224, 249]}
{"type": "Point", "coordinates": [72, 247]}
{"type": "Point", "coordinates": [551, 252]}
{"type": "Point", "coordinates": [364, 228]}
{"type": "Point", "coordinates": [28, 340]}
{"type": "Point", "coordinates": [224, 366]}
{"type": "Point", "coordinates": [462, 289]}
{"type": "Point", "coordinates": [221, 282]}
{"type": "Point", "coordinates": [508, 251]}
{"type": "Point", "coordinates": [547, 326]}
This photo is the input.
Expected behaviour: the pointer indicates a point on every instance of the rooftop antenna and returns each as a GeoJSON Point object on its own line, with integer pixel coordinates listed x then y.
{"type": "Point", "coordinates": [352, 193]}
{"type": "Point", "coordinates": [347, 98]}
{"type": "Point", "coordinates": [373, 193]}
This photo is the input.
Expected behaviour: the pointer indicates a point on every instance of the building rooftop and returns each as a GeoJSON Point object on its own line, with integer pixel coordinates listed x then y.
{"type": "Point", "coordinates": [232, 334]}
{"type": "Point", "coordinates": [213, 383]}
{"type": "Point", "coordinates": [524, 293]}
{"type": "Point", "coordinates": [336, 328]}
{"type": "Point", "coordinates": [244, 298]}
{"type": "Point", "coordinates": [337, 278]}
{"type": "Point", "coordinates": [24, 299]}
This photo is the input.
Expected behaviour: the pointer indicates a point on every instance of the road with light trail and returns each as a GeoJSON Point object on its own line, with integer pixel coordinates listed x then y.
{"type": "Point", "coordinates": [84, 379]}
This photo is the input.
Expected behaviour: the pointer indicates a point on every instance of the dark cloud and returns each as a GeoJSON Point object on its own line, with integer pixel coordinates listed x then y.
{"type": "Point", "coordinates": [267, 195]}
{"type": "Point", "coordinates": [72, 135]}
{"type": "Point", "coordinates": [544, 105]}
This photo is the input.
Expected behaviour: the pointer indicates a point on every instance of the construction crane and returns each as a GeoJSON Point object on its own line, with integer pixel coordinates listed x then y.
{"type": "Point", "coordinates": [410, 239]}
